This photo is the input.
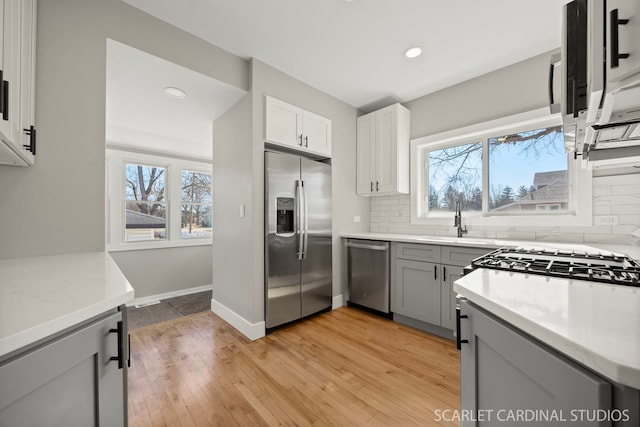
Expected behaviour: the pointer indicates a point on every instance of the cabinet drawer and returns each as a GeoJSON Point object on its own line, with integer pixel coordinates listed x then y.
{"type": "Point", "coordinates": [418, 252]}
{"type": "Point", "coordinates": [461, 256]}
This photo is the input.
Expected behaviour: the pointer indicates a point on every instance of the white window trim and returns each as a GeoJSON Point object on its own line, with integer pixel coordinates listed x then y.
{"type": "Point", "coordinates": [580, 209]}
{"type": "Point", "coordinates": [116, 159]}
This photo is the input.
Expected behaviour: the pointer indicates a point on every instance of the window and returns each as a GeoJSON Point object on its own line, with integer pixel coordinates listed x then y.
{"type": "Point", "coordinates": [155, 201]}
{"type": "Point", "coordinates": [196, 204]}
{"type": "Point", "coordinates": [145, 203]}
{"type": "Point", "coordinates": [514, 167]}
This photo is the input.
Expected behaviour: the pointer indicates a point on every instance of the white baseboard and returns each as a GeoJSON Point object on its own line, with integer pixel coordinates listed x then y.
{"type": "Point", "coordinates": [152, 298]}
{"type": "Point", "coordinates": [253, 331]}
{"type": "Point", "coordinates": [338, 301]}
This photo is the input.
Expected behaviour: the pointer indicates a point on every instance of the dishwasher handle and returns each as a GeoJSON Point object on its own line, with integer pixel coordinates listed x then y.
{"type": "Point", "coordinates": [365, 246]}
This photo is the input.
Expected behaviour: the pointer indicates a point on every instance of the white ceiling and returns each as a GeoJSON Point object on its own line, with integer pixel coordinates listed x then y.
{"type": "Point", "coordinates": [353, 50]}
{"type": "Point", "coordinates": [139, 115]}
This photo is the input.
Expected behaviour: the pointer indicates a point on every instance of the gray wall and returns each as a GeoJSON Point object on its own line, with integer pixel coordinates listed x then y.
{"type": "Point", "coordinates": [233, 237]}
{"type": "Point", "coordinates": [239, 246]}
{"type": "Point", "coordinates": [161, 271]}
{"type": "Point", "coordinates": [58, 205]}
{"type": "Point", "coordinates": [510, 90]}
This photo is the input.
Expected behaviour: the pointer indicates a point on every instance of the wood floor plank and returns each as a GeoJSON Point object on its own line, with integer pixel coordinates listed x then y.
{"type": "Point", "coordinates": [344, 367]}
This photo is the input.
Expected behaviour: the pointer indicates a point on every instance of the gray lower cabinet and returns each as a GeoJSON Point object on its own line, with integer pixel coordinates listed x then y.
{"type": "Point", "coordinates": [417, 290]}
{"type": "Point", "coordinates": [70, 380]}
{"type": "Point", "coordinates": [503, 371]}
{"type": "Point", "coordinates": [422, 282]}
{"type": "Point", "coordinates": [450, 273]}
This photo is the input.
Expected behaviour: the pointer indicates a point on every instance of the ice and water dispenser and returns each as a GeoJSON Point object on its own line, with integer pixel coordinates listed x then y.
{"type": "Point", "coordinates": [285, 215]}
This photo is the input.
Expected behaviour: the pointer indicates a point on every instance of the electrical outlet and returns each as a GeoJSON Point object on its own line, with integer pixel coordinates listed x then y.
{"type": "Point", "coordinates": [356, 218]}
{"type": "Point", "coordinates": [605, 220]}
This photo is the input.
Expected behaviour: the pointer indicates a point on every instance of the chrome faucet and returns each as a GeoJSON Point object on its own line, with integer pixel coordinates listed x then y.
{"type": "Point", "coordinates": [457, 221]}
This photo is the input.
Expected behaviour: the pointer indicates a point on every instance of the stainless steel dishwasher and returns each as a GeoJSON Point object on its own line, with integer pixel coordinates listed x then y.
{"type": "Point", "coordinates": [368, 274]}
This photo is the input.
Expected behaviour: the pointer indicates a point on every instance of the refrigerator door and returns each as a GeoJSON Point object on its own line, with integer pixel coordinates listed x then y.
{"type": "Point", "coordinates": [283, 239]}
{"type": "Point", "coordinates": [316, 263]}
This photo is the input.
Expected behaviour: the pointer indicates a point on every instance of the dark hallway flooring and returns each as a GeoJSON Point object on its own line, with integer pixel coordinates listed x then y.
{"type": "Point", "coordinates": [168, 309]}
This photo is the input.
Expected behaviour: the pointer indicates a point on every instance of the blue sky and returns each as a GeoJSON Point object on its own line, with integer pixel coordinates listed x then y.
{"type": "Point", "coordinates": [518, 168]}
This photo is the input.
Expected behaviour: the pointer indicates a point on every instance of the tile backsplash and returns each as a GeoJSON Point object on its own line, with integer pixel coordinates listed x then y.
{"type": "Point", "coordinates": [616, 213]}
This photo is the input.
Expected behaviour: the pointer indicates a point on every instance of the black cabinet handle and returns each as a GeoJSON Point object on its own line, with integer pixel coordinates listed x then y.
{"type": "Point", "coordinates": [444, 273]}
{"type": "Point", "coordinates": [435, 272]}
{"type": "Point", "coordinates": [377, 186]}
{"type": "Point", "coordinates": [615, 41]}
{"type": "Point", "coordinates": [120, 357]}
{"type": "Point", "coordinates": [300, 138]}
{"type": "Point", "coordinates": [306, 141]}
{"type": "Point", "coordinates": [459, 341]}
{"type": "Point", "coordinates": [372, 186]}
{"type": "Point", "coordinates": [32, 139]}
{"type": "Point", "coordinates": [5, 100]}
{"type": "Point", "coordinates": [1, 92]}
{"type": "Point", "coordinates": [129, 350]}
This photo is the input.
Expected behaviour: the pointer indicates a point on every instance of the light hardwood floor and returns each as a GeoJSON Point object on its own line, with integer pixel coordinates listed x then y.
{"type": "Point", "coordinates": [344, 368]}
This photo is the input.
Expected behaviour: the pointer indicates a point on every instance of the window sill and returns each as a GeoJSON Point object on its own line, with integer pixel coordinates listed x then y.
{"type": "Point", "coordinates": [137, 246]}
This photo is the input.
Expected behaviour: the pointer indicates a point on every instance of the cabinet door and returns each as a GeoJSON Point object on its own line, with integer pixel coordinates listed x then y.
{"type": "Point", "coordinates": [627, 36]}
{"type": "Point", "coordinates": [450, 273]}
{"type": "Point", "coordinates": [316, 132]}
{"type": "Point", "coordinates": [417, 290]}
{"type": "Point", "coordinates": [69, 382]}
{"type": "Point", "coordinates": [27, 76]}
{"type": "Point", "coordinates": [501, 368]}
{"type": "Point", "coordinates": [386, 163]}
{"type": "Point", "coordinates": [366, 155]}
{"type": "Point", "coordinates": [11, 69]}
{"type": "Point", "coordinates": [283, 123]}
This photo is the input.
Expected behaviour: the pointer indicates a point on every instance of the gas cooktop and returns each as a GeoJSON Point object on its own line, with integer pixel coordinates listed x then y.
{"type": "Point", "coordinates": [595, 267]}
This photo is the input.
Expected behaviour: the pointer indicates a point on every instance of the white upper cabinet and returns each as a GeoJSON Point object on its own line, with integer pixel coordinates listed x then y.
{"type": "Point", "coordinates": [293, 127]}
{"type": "Point", "coordinates": [17, 92]}
{"type": "Point", "coordinates": [383, 152]}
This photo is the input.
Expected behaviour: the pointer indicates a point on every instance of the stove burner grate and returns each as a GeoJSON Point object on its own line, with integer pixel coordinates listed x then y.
{"type": "Point", "coordinates": [596, 267]}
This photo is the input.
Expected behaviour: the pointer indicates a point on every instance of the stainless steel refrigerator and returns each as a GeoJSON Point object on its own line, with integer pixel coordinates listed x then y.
{"type": "Point", "coordinates": [298, 237]}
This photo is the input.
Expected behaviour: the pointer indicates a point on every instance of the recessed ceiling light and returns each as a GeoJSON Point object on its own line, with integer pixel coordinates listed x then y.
{"type": "Point", "coordinates": [413, 52]}
{"type": "Point", "coordinates": [174, 92]}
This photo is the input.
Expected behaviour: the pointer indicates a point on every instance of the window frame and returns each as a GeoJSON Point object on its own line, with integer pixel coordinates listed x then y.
{"type": "Point", "coordinates": [579, 179]}
{"type": "Point", "coordinates": [116, 161]}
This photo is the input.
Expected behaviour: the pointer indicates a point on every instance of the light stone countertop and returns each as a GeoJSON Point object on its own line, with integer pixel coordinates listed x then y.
{"type": "Point", "coordinates": [593, 323]}
{"type": "Point", "coordinates": [472, 242]}
{"type": "Point", "coordinates": [41, 296]}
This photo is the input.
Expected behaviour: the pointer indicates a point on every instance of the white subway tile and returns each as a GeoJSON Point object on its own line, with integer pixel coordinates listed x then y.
{"type": "Point", "coordinates": [602, 209]}
{"type": "Point", "coordinates": [633, 189]}
{"type": "Point", "coordinates": [624, 229]}
{"type": "Point", "coordinates": [594, 229]}
{"type": "Point", "coordinates": [538, 229]}
{"type": "Point", "coordinates": [626, 209]}
{"type": "Point", "coordinates": [617, 239]}
{"type": "Point", "coordinates": [560, 237]}
{"type": "Point", "coordinates": [617, 179]}
{"type": "Point", "coordinates": [629, 219]}
{"type": "Point", "coordinates": [516, 235]}
{"type": "Point", "coordinates": [617, 200]}
{"type": "Point", "coordinates": [601, 191]}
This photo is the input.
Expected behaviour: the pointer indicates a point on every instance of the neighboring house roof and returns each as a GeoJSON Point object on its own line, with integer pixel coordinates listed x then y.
{"type": "Point", "coordinates": [141, 220]}
{"type": "Point", "coordinates": [551, 188]}
{"type": "Point", "coordinates": [540, 179]}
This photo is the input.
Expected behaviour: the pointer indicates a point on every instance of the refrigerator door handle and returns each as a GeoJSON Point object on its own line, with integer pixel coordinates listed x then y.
{"type": "Point", "coordinates": [305, 214]}
{"type": "Point", "coordinates": [299, 218]}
